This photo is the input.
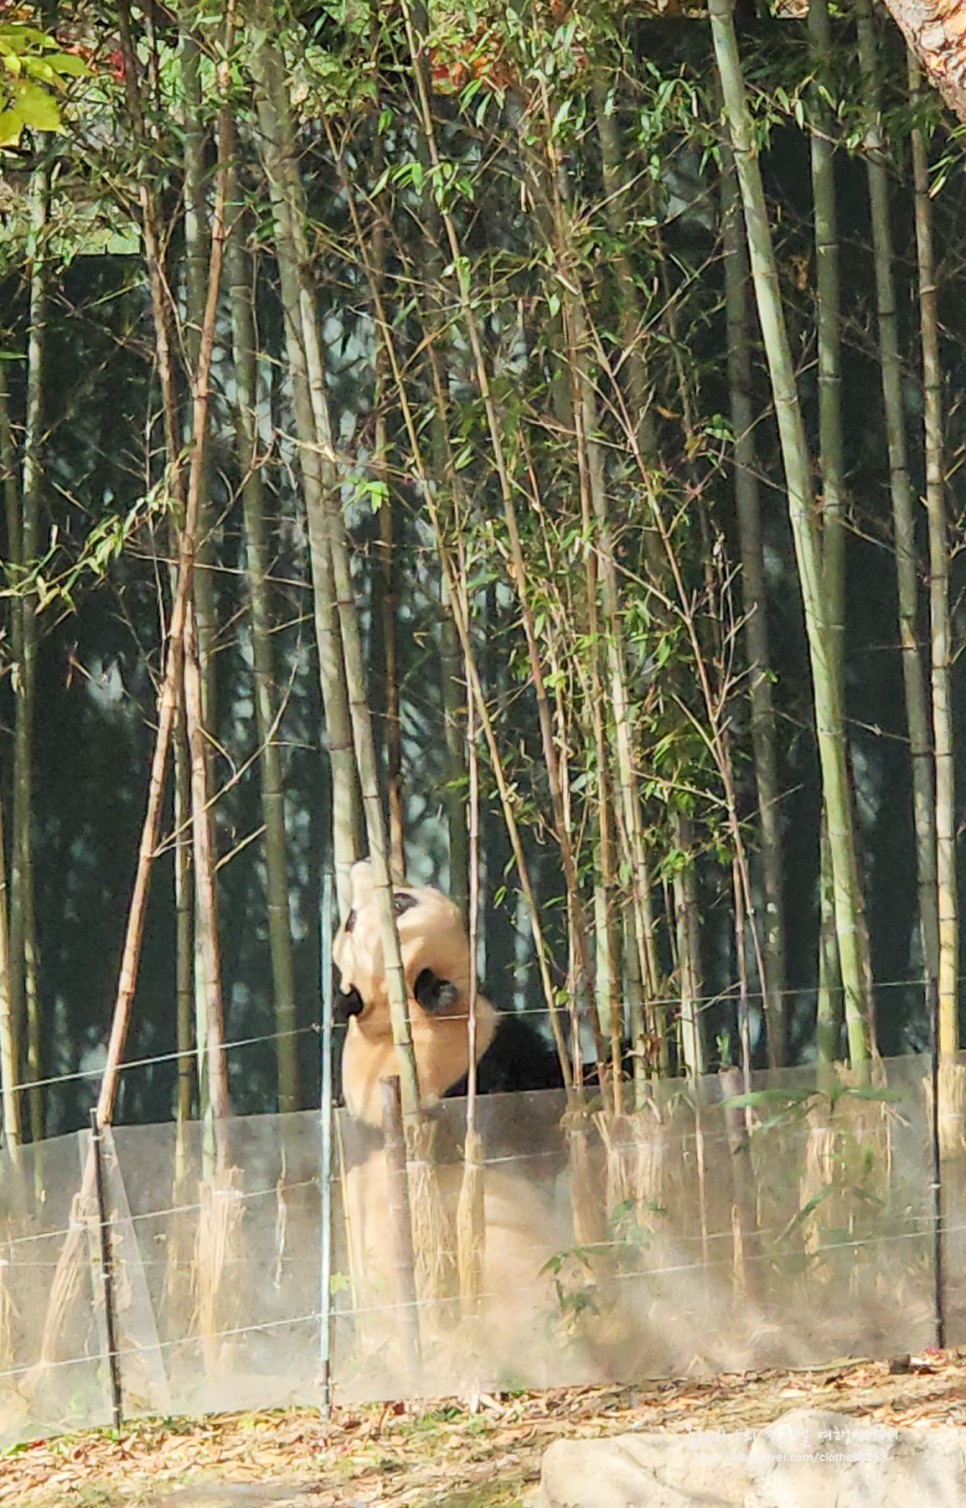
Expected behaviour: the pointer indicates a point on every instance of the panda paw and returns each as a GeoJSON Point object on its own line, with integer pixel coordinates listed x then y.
{"type": "Point", "coordinates": [435, 994]}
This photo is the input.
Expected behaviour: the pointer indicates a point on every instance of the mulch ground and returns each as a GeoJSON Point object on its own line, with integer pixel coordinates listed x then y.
{"type": "Point", "coordinates": [418, 1456]}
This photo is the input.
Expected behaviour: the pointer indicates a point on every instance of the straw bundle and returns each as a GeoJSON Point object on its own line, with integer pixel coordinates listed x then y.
{"type": "Point", "coordinates": [952, 1107]}
{"type": "Point", "coordinates": [219, 1225]}
{"type": "Point", "coordinates": [471, 1226]}
{"type": "Point", "coordinates": [433, 1237]}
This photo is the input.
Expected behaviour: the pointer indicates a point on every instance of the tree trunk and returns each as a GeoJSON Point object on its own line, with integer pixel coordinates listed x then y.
{"type": "Point", "coordinates": [936, 32]}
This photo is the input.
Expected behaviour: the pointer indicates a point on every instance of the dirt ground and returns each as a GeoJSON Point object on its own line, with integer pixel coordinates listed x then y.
{"type": "Point", "coordinates": [429, 1455]}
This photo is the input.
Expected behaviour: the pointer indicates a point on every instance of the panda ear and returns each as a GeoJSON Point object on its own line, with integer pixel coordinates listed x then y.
{"type": "Point", "coordinates": [347, 1003]}
{"type": "Point", "coordinates": [434, 994]}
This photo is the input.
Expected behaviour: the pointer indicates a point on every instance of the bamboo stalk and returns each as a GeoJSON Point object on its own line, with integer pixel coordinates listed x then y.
{"type": "Point", "coordinates": [277, 150]}
{"type": "Point", "coordinates": [241, 293]}
{"type": "Point", "coordinates": [8, 1026]}
{"type": "Point", "coordinates": [689, 960]}
{"type": "Point", "coordinates": [755, 608]}
{"type": "Point", "coordinates": [385, 556]}
{"type": "Point", "coordinates": [9, 1018]}
{"type": "Point", "coordinates": [206, 922]}
{"type": "Point", "coordinates": [344, 682]}
{"type": "Point", "coordinates": [939, 610]}
{"type": "Point", "coordinates": [829, 715]}
{"type": "Point", "coordinates": [23, 942]}
{"type": "Point", "coordinates": [584, 973]}
{"type": "Point", "coordinates": [903, 506]}
{"type": "Point", "coordinates": [475, 687]}
{"type": "Point", "coordinates": [470, 1214]}
{"type": "Point", "coordinates": [64, 1278]}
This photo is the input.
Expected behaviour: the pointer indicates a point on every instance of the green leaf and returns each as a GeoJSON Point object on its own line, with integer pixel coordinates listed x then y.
{"type": "Point", "coordinates": [11, 125]}
{"type": "Point", "coordinates": [37, 108]}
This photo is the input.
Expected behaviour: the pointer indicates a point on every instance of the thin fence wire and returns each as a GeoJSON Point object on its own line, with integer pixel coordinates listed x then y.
{"type": "Point", "coordinates": [728, 995]}
{"type": "Point", "coordinates": [219, 1297]}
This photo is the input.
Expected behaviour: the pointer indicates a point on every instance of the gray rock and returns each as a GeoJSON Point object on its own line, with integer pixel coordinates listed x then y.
{"type": "Point", "coordinates": [811, 1458]}
{"type": "Point", "coordinates": [659, 1471]}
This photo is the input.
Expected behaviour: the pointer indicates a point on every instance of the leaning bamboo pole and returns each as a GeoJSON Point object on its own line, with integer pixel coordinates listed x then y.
{"type": "Point", "coordinates": [903, 506]}
{"type": "Point", "coordinates": [63, 1284]}
{"type": "Point", "coordinates": [755, 607]}
{"type": "Point", "coordinates": [940, 637]}
{"type": "Point", "coordinates": [831, 467]}
{"type": "Point", "coordinates": [829, 712]}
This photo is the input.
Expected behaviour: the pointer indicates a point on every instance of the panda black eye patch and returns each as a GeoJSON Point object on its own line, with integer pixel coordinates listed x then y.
{"type": "Point", "coordinates": [403, 901]}
{"type": "Point", "coordinates": [347, 1003]}
{"type": "Point", "coordinates": [434, 994]}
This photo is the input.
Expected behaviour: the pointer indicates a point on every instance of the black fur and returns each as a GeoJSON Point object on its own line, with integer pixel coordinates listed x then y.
{"type": "Point", "coordinates": [346, 1004]}
{"type": "Point", "coordinates": [517, 1059]}
{"type": "Point", "coordinates": [434, 994]}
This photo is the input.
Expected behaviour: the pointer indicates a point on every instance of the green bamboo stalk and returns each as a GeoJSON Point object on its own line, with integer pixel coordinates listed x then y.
{"type": "Point", "coordinates": [196, 260]}
{"type": "Point", "coordinates": [903, 505]}
{"type": "Point", "coordinates": [184, 926]}
{"type": "Point", "coordinates": [453, 695]}
{"type": "Point", "coordinates": [386, 579]}
{"type": "Point", "coordinates": [755, 609]}
{"type": "Point", "coordinates": [939, 612]}
{"type": "Point", "coordinates": [23, 929]}
{"type": "Point", "coordinates": [277, 149]}
{"type": "Point", "coordinates": [8, 1026]}
{"type": "Point", "coordinates": [460, 612]}
{"type": "Point", "coordinates": [239, 270]}
{"type": "Point", "coordinates": [584, 971]}
{"type": "Point", "coordinates": [10, 1017]}
{"type": "Point", "coordinates": [344, 676]}
{"type": "Point", "coordinates": [688, 950]}
{"type": "Point", "coordinates": [829, 715]}
{"type": "Point", "coordinates": [831, 461]}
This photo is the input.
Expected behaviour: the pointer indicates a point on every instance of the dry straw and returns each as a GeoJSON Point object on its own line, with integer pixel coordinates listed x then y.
{"type": "Point", "coordinates": [216, 1249]}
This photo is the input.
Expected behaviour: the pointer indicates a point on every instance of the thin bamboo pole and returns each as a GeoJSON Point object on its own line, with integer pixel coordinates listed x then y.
{"type": "Point", "coordinates": [9, 1018]}
{"type": "Point", "coordinates": [240, 273]}
{"type": "Point", "coordinates": [8, 1029]}
{"type": "Point", "coordinates": [344, 681]}
{"type": "Point", "coordinates": [450, 581]}
{"type": "Point", "coordinates": [584, 970]}
{"type": "Point", "coordinates": [755, 607]}
{"type": "Point", "coordinates": [903, 505]}
{"type": "Point", "coordinates": [316, 458]}
{"type": "Point", "coordinates": [939, 612]}
{"type": "Point", "coordinates": [23, 941]}
{"type": "Point", "coordinates": [829, 714]}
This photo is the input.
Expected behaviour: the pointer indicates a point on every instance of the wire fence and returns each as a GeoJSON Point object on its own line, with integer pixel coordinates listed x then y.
{"type": "Point", "coordinates": [689, 1233]}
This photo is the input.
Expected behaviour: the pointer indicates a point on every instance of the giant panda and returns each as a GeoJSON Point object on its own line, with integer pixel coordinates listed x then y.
{"type": "Point", "coordinates": [523, 1231]}
{"type": "Point", "coordinates": [510, 1054]}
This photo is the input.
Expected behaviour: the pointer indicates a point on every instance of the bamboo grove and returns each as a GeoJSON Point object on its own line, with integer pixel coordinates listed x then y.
{"type": "Point", "coordinates": [513, 441]}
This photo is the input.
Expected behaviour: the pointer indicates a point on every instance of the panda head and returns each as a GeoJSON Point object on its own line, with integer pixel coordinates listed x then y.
{"type": "Point", "coordinates": [433, 944]}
